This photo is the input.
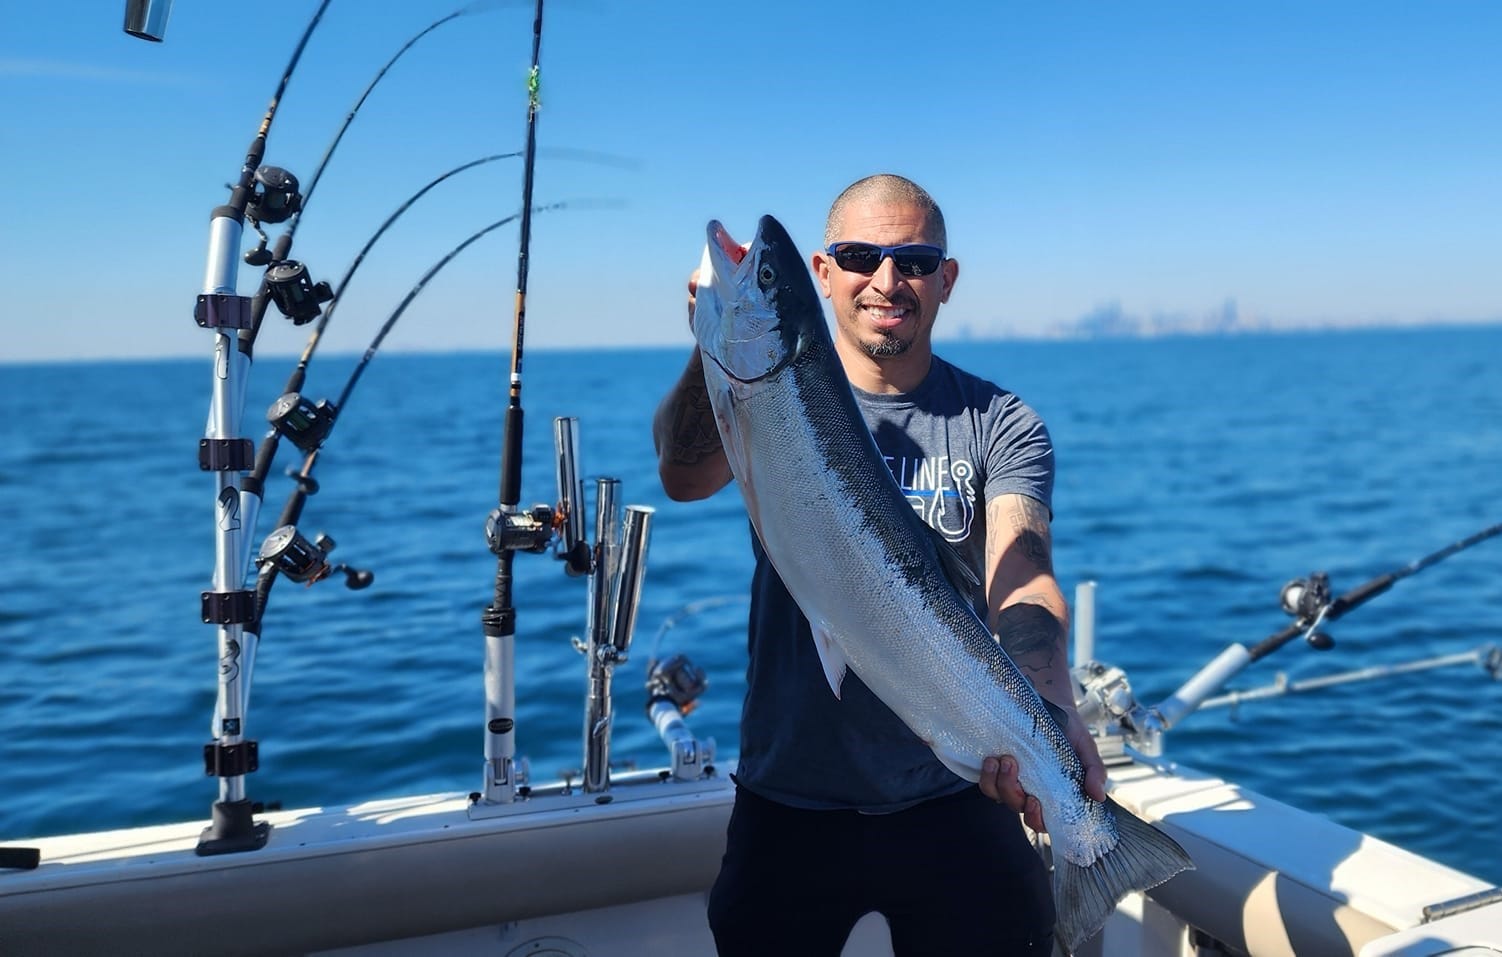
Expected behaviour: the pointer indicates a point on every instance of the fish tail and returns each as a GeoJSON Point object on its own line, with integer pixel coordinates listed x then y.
{"type": "Point", "coordinates": [1084, 897]}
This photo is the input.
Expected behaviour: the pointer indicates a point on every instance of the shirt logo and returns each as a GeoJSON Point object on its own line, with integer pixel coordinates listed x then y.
{"type": "Point", "coordinates": [940, 490]}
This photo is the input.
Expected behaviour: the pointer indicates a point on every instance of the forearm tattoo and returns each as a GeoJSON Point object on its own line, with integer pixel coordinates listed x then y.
{"type": "Point", "coordinates": [695, 436]}
{"type": "Point", "coordinates": [1030, 524]}
{"type": "Point", "coordinates": [1030, 635]}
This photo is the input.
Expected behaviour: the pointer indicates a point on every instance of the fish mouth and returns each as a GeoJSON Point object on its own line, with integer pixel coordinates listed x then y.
{"type": "Point", "coordinates": [725, 255]}
{"type": "Point", "coordinates": [743, 292]}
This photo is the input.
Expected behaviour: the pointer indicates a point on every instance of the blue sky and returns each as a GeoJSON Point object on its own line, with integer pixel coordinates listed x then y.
{"type": "Point", "coordinates": [1310, 163]}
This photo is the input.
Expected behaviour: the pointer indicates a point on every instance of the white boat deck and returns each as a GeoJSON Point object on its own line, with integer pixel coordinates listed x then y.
{"type": "Point", "coordinates": [566, 874]}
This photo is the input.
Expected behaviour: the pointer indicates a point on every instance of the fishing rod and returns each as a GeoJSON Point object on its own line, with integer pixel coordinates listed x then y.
{"type": "Point", "coordinates": [1310, 602]}
{"type": "Point", "coordinates": [295, 382]}
{"type": "Point", "coordinates": [288, 552]}
{"type": "Point", "coordinates": [1108, 697]}
{"type": "Point", "coordinates": [290, 410]}
{"type": "Point", "coordinates": [269, 195]}
{"type": "Point", "coordinates": [507, 530]}
{"type": "Point", "coordinates": [291, 413]}
{"type": "Point", "coordinates": [285, 549]}
{"type": "Point", "coordinates": [1308, 599]}
{"type": "Point", "coordinates": [228, 605]}
{"type": "Point", "coordinates": [308, 426]}
{"type": "Point", "coordinates": [287, 282]}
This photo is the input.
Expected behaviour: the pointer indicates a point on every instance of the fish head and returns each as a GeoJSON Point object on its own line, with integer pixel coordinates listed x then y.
{"type": "Point", "coordinates": [754, 317]}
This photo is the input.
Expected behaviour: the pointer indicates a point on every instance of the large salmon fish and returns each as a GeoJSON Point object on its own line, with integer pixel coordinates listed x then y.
{"type": "Point", "coordinates": [877, 585]}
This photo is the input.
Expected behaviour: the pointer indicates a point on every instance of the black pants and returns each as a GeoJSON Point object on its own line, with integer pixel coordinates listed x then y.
{"type": "Point", "coordinates": [952, 876]}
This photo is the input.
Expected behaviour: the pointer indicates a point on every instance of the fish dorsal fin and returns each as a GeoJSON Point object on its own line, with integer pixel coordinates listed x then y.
{"type": "Point", "coordinates": [956, 569]}
{"type": "Point", "coordinates": [830, 656]}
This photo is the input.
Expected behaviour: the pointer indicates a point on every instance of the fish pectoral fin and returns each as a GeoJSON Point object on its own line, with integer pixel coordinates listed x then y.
{"type": "Point", "coordinates": [956, 569]}
{"type": "Point", "coordinates": [831, 657]}
{"type": "Point", "coordinates": [962, 765]}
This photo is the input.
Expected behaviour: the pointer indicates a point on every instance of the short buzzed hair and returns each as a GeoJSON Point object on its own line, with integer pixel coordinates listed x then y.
{"type": "Point", "coordinates": [886, 188]}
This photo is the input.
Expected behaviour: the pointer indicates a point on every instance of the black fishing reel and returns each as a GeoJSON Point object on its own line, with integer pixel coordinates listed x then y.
{"type": "Point", "coordinates": [305, 424]}
{"type": "Point", "coordinates": [275, 198]}
{"type": "Point", "coordinates": [678, 680]}
{"type": "Point", "coordinates": [295, 293]}
{"type": "Point", "coordinates": [1308, 601]}
{"type": "Point", "coordinates": [307, 562]}
{"type": "Point", "coordinates": [508, 531]}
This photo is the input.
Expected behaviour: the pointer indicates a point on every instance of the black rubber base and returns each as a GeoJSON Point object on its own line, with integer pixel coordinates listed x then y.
{"type": "Point", "coordinates": [233, 830]}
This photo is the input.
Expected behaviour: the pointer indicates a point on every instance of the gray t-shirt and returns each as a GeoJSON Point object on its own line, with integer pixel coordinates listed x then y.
{"type": "Point", "coordinates": [953, 444]}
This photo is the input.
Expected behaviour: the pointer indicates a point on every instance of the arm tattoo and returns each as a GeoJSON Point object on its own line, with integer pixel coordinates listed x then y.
{"type": "Point", "coordinates": [1030, 524]}
{"type": "Point", "coordinates": [695, 436]}
{"type": "Point", "coordinates": [1029, 634]}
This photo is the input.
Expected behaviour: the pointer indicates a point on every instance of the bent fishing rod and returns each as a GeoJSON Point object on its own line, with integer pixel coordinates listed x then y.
{"type": "Point", "coordinates": [287, 282]}
{"type": "Point", "coordinates": [308, 427]}
{"type": "Point", "coordinates": [1311, 604]}
{"type": "Point", "coordinates": [228, 604]}
{"type": "Point", "coordinates": [306, 424]}
{"type": "Point", "coordinates": [268, 195]}
{"type": "Point", "coordinates": [289, 411]}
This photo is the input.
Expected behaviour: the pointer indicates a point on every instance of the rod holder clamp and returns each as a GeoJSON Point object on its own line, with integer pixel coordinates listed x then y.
{"type": "Point", "coordinates": [1106, 703]}
{"type": "Point", "coordinates": [230, 760]}
{"type": "Point", "coordinates": [228, 607]}
{"type": "Point", "coordinates": [223, 311]}
{"type": "Point", "coordinates": [225, 455]}
{"type": "Point", "coordinates": [498, 622]}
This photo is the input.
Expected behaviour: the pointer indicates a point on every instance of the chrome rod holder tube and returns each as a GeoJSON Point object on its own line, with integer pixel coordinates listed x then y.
{"type": "Point", "coordinates": [630, 573]}
{"type": "Point", "coordinates": [607, 559]}
{"type": "Point", "coordinates": [147, 19]}
{"type": "Point", "coordinates": [572, 546]}
{"type": "Point", "coordinates": [1084, 623]}
{"type": "Point", "coordinates": [598, 647]}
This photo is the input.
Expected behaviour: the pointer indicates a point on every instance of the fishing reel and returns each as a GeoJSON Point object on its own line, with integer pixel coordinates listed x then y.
{"type": "Point", "coordinates": [287, 550]}
{"type": "Point", "coordinates": [296, 295]}
{"type": "Point", "coordinates": [275, 198]}
{"type": "Point", "coordinates": [512, 531]}
{"type": "Point", "coordinates": [677, 680]}
{"type": "Point", "coordinates": [305, 424]}
{"type": "Point", "coordinates": [1308, 601]}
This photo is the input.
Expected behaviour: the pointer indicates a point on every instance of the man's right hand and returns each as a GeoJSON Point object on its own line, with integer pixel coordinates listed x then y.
{"type": "Point", "coordinates": [998, 781]}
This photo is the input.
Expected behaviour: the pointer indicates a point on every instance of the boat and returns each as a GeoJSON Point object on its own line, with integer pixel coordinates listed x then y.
{"type": "Point", "coordinates": [620, 862]}
{"type": "Point", "coordinates": [623, 867]}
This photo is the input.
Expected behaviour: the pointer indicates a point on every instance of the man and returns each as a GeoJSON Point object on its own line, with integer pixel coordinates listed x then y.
{"type": "Point", "coordinates": [840, 809]}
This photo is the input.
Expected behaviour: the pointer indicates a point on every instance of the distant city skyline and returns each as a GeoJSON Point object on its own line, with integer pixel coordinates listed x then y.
{"type": "Point", "coordinates": [1103, 169]}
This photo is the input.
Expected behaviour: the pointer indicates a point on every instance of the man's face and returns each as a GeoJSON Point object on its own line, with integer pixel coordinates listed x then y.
{"type": "Point", "coordinates": [886, 313]}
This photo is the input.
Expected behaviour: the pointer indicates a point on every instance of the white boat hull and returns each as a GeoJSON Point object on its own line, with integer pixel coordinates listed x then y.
{"type": "Point", "coordinates": [564, 874]}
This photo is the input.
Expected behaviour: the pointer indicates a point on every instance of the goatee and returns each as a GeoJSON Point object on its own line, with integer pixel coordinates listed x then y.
{"type": "Point", "coordinates": [886, 347]}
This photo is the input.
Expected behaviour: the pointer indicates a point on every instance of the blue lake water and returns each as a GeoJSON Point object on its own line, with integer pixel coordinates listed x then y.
{"type": "Point", "coordinates": [1196, 476]}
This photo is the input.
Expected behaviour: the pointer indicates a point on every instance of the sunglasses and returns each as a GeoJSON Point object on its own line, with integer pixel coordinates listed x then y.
{"type": "Point", "coordinates": [911, 259]}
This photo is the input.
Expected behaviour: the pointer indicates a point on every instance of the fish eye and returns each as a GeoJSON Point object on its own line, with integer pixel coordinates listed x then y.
{"type": "Point", "coordinates": [766, 275]}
